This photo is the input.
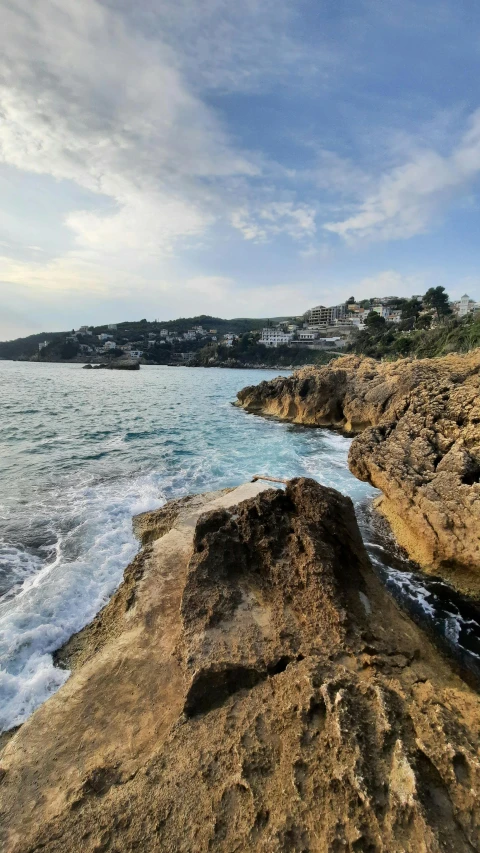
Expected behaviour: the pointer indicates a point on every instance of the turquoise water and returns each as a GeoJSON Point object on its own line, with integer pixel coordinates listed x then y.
{"type": "Point", "coordinates": [80, 453]}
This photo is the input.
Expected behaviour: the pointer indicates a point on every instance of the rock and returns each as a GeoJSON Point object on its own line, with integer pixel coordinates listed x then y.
{"type": "Point", "coordinates": [252, 687]}
{"type": "Point", "coordinates": [119, 364]}
{"type": "Point", "coordinates": [148, 526]}
{"type": "Point", "coordinates": [123, 365]}
{"type": "Point", "coordinates": [419, 442]}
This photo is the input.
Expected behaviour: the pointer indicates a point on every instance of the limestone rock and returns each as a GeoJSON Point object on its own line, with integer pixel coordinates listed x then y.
{"type": "Point", "coordinates": [254, 688]}
{"type": "Point", "coordinates": [418, 426]}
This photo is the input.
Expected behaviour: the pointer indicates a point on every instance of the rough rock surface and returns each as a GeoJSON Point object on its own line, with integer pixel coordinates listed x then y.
{"type": "Point", "coordinates": [419, 442]}
{"type": "Point", "coordinates": [260, 692]}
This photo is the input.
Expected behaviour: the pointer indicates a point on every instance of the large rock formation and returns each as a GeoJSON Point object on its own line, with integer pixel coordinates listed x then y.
{"type": "Point", "coordinates": [250, 687]}
{"type": "Point", "coordinates": [419, 442]}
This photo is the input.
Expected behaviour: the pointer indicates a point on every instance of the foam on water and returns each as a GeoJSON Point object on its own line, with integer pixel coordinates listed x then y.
{"type": "Point", "coordinates": [64, 594]}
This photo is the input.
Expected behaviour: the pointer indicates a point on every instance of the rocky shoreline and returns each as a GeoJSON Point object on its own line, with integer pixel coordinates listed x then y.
{"type": "Point", "coordinates": [417, 428]}
{"type": "Point", "coordinates": [251, 686]}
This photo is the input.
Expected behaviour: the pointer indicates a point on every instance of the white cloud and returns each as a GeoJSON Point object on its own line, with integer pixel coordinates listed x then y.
{"type": "Point", "coordinates": [86, 99]}
{"type": "Point", "coordinates": [409, 197]}
{"type": "Point", "coordinates": [295, 220]}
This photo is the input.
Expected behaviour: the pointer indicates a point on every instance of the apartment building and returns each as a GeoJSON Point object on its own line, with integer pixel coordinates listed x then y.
{"type": "Point", "coordinates": [275, 337]}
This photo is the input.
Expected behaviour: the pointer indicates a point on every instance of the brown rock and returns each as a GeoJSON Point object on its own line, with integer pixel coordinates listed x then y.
{"type": "Point", "coordinates": [419, 442]}
{"type": "Point", "coordinates": [262, 692]}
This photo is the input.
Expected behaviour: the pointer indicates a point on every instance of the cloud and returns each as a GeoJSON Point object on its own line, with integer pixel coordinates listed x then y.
{"type": "Point", "coordinates": [410, 196]}
{"type": "Point", "coordinates": [87, 99]}
{"type": "Point", "coordinates": [295, 220]}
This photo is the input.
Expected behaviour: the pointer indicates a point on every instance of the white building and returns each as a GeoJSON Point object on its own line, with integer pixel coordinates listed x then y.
{"type": "Point", "coordinates": [109, 345]}
{"type": "Point", "coordinates": [190, 335]}
{"type": "Point", "coordinates": [164, 333]}
{"type": "Point", "coordinates": [104, 337]}
{"type": "Point", "coordinates": [83, 330]}
{"type": "Point", "coordinates": [43, 345]}
{"type": "Point", "coordinates": [136, 353]}
{"type": "Point", "coordinates": [275, 337]}
{"type": "Point", "coordinates": [112, 326]}
{"type": "Point", "coordinates": [465, 305]}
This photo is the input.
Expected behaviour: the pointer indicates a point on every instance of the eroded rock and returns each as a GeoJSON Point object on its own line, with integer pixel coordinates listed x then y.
{"type": "Point", "coordinates": [262, 692]}
{"type": "Point", "coordinates": [418, 426]}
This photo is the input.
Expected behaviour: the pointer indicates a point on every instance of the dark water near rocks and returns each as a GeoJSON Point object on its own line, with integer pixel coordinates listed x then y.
{"type": "Point", "coordinates": [83, 451]}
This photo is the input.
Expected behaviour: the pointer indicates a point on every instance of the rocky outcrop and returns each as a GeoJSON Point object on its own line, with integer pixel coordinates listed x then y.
{"type": "Point", "coordinates": [252, 687]}
{"type": "Point", "coordinates": [419, 442]}
{"type": "Point", "coordinates": [119, 364]}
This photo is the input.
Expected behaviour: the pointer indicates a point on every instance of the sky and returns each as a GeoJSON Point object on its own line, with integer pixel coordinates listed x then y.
{"type": "Point", "coordinates": [166, 158]}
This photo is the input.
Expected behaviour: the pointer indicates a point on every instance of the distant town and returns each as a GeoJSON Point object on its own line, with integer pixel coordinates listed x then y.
{"type": "Point", "coordinates": [208, 341]}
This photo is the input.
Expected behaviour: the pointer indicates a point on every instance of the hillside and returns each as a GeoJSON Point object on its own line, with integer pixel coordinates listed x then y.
{"type": "Point", "coordinates": [385, 341]}
{"type": "Point", "coordinates": [132, 331]}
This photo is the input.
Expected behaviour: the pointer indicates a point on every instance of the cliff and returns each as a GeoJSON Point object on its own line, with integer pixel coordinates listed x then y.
{"type": "Point", "coordinates": [418, 426]}
{"type": "Point", "coordinates": [250, 687]}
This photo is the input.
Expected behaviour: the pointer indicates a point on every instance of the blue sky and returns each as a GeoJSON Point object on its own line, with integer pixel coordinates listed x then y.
{"type": "Point", "coordinates": [240, 159]}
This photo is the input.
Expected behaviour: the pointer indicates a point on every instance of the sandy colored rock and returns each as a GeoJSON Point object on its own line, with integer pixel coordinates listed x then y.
{"type": "Point", "coordinates": [419, 442]}
{"type": "Point", "coordinates": [260, 692]}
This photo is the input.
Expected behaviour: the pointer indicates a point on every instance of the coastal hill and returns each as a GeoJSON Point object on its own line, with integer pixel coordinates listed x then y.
{"type": "Point", "coordinates": [127, 332]}
{"type": "Point", "coordinates": [418, 440]}
{"type": "Point", "coordinates": [251, 686]}
{"type": "Point", "coordinates": [382, 328]}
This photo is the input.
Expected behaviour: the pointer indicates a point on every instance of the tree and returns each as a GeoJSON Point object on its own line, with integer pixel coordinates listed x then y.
{"type": "Point", "coordinates": [437, 299]}
{"type": "Point", "coordinates": [406, 325]}
{"type": "Point", "coordinates": [374, 322]}
{"type": "Point", "coordinates": [403, 345]}
{"type": "Point", "coordinates": [411, 308]}
{"type": "Point", "coordinates": [423, 322]}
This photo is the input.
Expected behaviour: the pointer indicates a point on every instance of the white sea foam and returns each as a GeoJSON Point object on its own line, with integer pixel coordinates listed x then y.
{"type": "Point", "coordinates": [65, 595]}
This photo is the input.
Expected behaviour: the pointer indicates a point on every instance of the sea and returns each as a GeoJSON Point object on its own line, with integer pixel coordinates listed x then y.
{"type": "Point", "coordinates": [81, 452]}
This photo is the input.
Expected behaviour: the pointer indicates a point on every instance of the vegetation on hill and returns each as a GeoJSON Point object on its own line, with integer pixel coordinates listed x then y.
{"type": "Point", "coordinates": [383, 340]}
{"type": "Point", "coordinates": [248, 350]}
